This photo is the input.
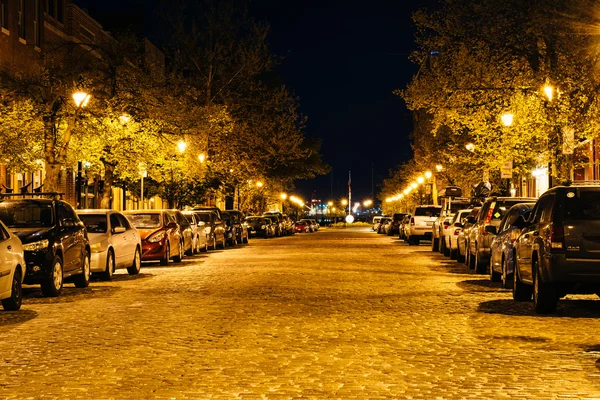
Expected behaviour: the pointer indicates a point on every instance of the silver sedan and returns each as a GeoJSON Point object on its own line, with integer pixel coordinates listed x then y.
{"type": "Point", "coordinates": [115, 243]}
{"type": "Point", "coordinates": [12, 269]}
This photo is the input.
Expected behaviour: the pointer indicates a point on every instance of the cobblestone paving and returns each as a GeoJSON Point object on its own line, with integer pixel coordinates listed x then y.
{"type": "Point", "coordinates": [337, 314]}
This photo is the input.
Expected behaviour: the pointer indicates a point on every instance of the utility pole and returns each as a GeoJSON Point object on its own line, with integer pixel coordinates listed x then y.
{"type": "Point", "coordinates": [349, 192]}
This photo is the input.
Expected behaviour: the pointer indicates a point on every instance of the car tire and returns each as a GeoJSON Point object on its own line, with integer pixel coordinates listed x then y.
{"type": "Point", "coordinates": [506, 278]}
{"type": "Point", "coordinates": [164, 261]}
{"type": "Point", "coordinates": [110, 266]}
{"type": "Point", "coordinates": [136, 266]}
{"type": "Point", "coordinates": [179, 257]}
{"type": "Point", "coordinates": [205, 248]}
{"type": "Point", "coordinates": [446, 250]}
{"type": "Point", "coordinates": [545, 295]}
{"type": "Point", "coordinates": [13, 303]}
{"type": "Point", "coordinates": [459, 257]}
{"type": "Point", "coordinates": [494, 276]}
{"type": "Point", "coordinates": [245, 239]}
{"type": "Point", "coordinates": [520, 291]}
{"type": "Point", "coordinates": [52, 284]}
{"type": "Point", "coordinates": [453, 254]}
{"type": "Point", "coordinates": [479, 267]}
{"type": "Point", "coordinates": [83, 280]}
{"type": "Point", "coordinates": [222, 245]}
{"type": "Point", "coordinates": [435, 244]}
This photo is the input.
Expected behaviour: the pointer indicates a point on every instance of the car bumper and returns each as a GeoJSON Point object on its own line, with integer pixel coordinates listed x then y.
{"type": "Point", "coordinates": [422, 232]}
{"type": "Point", "coordinates": [38, 266]}
{"type": "Point", "coordinates": [559, 268]}
{"type": "Point", "coordinates": [98, 261]}
{"type": "Point", "coordinates": [153, 251]}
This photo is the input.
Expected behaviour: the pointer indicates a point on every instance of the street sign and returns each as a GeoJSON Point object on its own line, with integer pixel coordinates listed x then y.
{"type": "Point", "coordinates": [506, 171]}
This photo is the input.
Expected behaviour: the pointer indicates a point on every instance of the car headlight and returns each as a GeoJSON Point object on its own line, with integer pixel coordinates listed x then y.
{"type": "Point", "coordinates": [263, 227]}
{"type": "Point", "coordinates": [36, 246]}
{"type": "Point", "coordinates": [157, 237]}
{"type": "Point", "coordinates": [96, 247]}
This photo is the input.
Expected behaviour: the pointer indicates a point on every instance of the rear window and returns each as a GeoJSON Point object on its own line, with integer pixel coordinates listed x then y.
{"type": "Point", "coordinates": [26, 215]}
{"type": "Point", "coordinates": [427, 212]}
{"type": "Point", "coordinates": [145, 221]}
{"type": "Point", "coordinates": [582, 204]}
{"type": "Point", "coordinates": [94, 223]}
{"type": "Point", "coordinates": [502, 207]}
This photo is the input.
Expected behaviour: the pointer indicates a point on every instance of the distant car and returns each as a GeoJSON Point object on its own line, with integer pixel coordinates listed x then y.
{"type": "Point", "coordinates": [314, 226]}
{"type": "Point", "coordinates": [404, 227]}
{"type": "Point", "coordinates": [503, 246]}
{"type": "Point", "coordinates": [199, 232]}
{"type": "Point", "coordinates": [384, 225]}
{"type": "Point", "coordinates": [421, 223]}
{"type": "Point", "coordinates": [242, 228]}
{"type": "Point", "coordinates": [277, 223]}
{"type": "Point", "coordinates": [160, 234]}
{"type": "Point", "coordinates": [376, 220]}
{"type": "Point", "coordinates": [395, 225]}
{"type": "Point", "coordinates": [301, 227]}
{"type": "Point", "coordinates": [215, 227]}
{"type": "Point", "coordinates": [260, 226]}
{"type": "Point", "coordinates": [54, 240]}
{"type": "Point", "coordinates": [12, 269]}
{"type": "Point", "coordinates": [185, 228]}
{"type": "Point", "coordinates": [452, 232]}
{"type": "Point", "coordinates": [114, 242]}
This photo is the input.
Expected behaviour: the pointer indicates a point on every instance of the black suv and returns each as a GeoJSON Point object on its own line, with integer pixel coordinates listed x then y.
{"type": "Point", "coordinates": [558, 250]}
{"type": "Point", "coordinates": [55, 242]}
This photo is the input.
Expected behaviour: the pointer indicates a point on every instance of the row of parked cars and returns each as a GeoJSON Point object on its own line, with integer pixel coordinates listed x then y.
{"type": "Point", "coordinates": [542, 248]}
{"type": "Point", "coordinates": [45, 241]}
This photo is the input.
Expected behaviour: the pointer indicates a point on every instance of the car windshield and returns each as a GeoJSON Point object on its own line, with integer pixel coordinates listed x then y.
{"type": "Point", "coordinates": [145, 220]}
{"type": "Point", "coordinates": [427, 212]}
{"type": "Point", "coordinates": [585, 206]}
{"type": "Point", "coordinates": [205, 217]}
{"type": "Point", "coordinates": [94, 223]}
{"type": "Point", "coordinates": [26, 215]}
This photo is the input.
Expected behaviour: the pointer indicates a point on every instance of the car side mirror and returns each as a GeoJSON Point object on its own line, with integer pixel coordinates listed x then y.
{"type": "Point", "coordinates": [491, 229]}
{"type": "Point", "coordinates": [520, 222]}
{"type": "Point", "coordinates": [119, 229]}
{"type": "Point", "coordinates": [68, 223]}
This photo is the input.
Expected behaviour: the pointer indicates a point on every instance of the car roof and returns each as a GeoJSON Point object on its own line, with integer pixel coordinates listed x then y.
{"type": "Point", "coordinates": [97, 211]}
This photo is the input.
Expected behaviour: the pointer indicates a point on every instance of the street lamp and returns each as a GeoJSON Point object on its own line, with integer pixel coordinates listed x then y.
{"type": "Point", "coordinates": [181, 145]}
{"type": "Point", "coordinates": [81, 99]}
{"type": "Point", "coordinates": [507, 119]}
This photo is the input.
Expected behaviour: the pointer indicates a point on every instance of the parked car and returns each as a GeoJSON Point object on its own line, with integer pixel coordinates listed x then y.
{"type": "Point", "coordinates": [404, 227]}
{"type": "Point", "coordinates": [199, 232]}
{"type": "Point", "coordinates": [482, 233]}
{"type": "Point", "coordinates": [394, 228]}
{"type": "Point", "coordinates": [449, 207]}
{"type": "Point", "coordinates": [55, 242]}
{"type": "Point", "coordinates": [231, 228]}
{"type": "Point", "coordinates": [277, 224]}
{"type": "Point", "coordinates": [214, 209]}
{"type": "Point", "coordinates": [384, 225]}
{"type": "Point", "coordinates": [114, 242]}
{"type": "Point", "coordinates": [185, 229]}
{"type": "Point", "coordinates": [289, 224]}
{"type": "Point", "coordinates": [242, 229]}
{"type": "Point", "coordinates": [161, 237]}
{"type": "Point", "coordinates": [314, 226]}
{"type": "Point", "coordinates": [376, 220]}
{"type": "Point", "coordinates": [421, 223]}
{"type": "Point", "coordinates": [260, 226]}
{"type": "Point", "coordinates": [462, 242]}
{"type": "Point", "coordinates": [503, 246]}
{"type": "Point", "coordinates": [302, 226]}
{"type": "Point", "coordinates": [215, 227]}
{"type": "Point", "coordinates": [12, 269]}
{"type": "Point", "coordinates": [452, 232]}
{"type": "Point", "coordinates": [558, 250]}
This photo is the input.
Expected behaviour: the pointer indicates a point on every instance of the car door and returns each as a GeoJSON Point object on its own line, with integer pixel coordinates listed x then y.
{"type": "Point", "coordinates": [69, 238]}
{"type": "Point", "coordinates": [528, 240]}
{"type": "Point", "coordinates": [6, 260]}
{"type": "Point", "coordinates": [118, 238]}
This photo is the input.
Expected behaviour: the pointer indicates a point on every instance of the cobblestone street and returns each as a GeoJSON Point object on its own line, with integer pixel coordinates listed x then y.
{"type": "Point", "coordinates": [340, 314]}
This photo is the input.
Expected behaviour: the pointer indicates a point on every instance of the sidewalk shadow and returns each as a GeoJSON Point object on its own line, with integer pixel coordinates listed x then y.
{"type": "Point", "coordinates": [16, 317]}
{"type": "Point", "coordinates": [481, 285]}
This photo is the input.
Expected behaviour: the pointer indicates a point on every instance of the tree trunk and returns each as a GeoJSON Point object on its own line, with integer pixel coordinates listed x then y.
{"type": "Point", "coordinates": [52, 167]}
{"type": "Point", "coordinates": [109, 178]}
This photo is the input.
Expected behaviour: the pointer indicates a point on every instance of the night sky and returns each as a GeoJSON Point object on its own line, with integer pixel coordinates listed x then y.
{"type": "Point", "coordinates": [343, 60]}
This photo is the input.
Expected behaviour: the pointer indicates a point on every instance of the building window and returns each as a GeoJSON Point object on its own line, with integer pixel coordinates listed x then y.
{"type": "Point", "coordinates": [37, 37]}
{"type": "Point", "coordinates": [4, 14]}
{"type": "Point", "coordinates": [21, 19]}
{"type": "Point", "coordinates": [59, 11]}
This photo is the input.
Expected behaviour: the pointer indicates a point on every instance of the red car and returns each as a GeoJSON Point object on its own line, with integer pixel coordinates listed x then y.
{"type": "Point", "coordinates": [301, 226]}
{"type": "Point", "coordinates": [160, 234]}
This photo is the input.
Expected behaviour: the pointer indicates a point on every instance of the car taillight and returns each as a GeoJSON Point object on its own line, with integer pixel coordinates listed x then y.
{"type": "Point", "coordinates": [514, 235]}
{"type": "Point", "coordinates": [557, 237]}
{"type": "Point", "coordinates": [412, 221]}
{"type": "Point", "coordinates": [456, 231]}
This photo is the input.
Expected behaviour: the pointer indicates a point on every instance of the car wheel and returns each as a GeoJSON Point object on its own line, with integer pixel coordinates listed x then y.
{"type": "Point", "coordinates": [520, 291]}
{"type": "Point", "coordinates": [245, 239]}
{"type": "Point", "coordinates": [166, 258]}
{"type": "Point", "coordinates": [479, 267]}
{"type": "Point", "coordinates": [453, 254]}
{"type": "Point", "coordinates": [507, 279]}
{"type": "Point", "coordinates": [446, 248]}
{"type": "Point", "coordinates": [545, 295]}
{"type": "Point", "coordinates": [179, 255]}
{"type": "Point", "coordinates": [110, 266]}
{"type": "Point", "coordinates": [83, 280]}
{"type": "Point", "coordinates": [136, 266]}
{"type": "Point", "coordinates": [435, 244]}
{"type": "Point", "coordinates": [53, 283]}
{"type": "Point", "coordinates": [494, 276]}
{"type": "Point", "coordinates": [222, 245]}
{"type": "Point", "coordinates": [459, 257]}
{"type": "Point", "coordinates": [205, 248]}
{"type": "Point", "coordinates": [13, 303]}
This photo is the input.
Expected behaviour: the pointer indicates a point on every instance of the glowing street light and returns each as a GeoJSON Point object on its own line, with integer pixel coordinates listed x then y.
{"type": "Point", "coordinates": [428, 174]}
{"type": "Point", "coordinates": [259, 184]}
{"type": "Point", "coordinates": [414, 185]}
{"type": "Point", "coordinates": [201, 157]}
{"type": "Point", "coordinates": [420, 180]}
{"type": "Point", "coordinates": [507, 119]}
{"type": "Point", "coordinates": [124, 118]}
{"type": "Point", "coordinates": [549, 92]}
{"type": "Point", "coordinates": [344, 202]}
{"type": "Point", "coordinates": [181, 145]}
{"type": "Point", "coordinates": [439, 167]}
{"type": "Point", "coordinates": [81, 99]}
{"type": "Point", "coordinates": [470, 147]}
{"type": "Point", "coordinates": [283, 196]}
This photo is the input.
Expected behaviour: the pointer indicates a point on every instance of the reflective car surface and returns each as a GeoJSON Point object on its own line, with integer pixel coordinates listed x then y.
{"type": "Point", "coordinates": [12, 269]}
{"type": "Point", "coordinates": [160, 234]}
{"type": "Point", "coordinates": [114, 242]}
{"type": "Point", "coordinates": [215, 227]}
{"type": "Point", "coordinates": [260, 226]}
{"type": "Point", "coordinates": [200, 232]}
{"type": "Point", "coordinates": [54, 240]}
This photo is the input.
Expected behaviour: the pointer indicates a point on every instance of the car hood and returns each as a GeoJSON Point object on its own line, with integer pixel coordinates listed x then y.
{"type": "Point", "coordinates": [144, 233]}
{"type": "Point", "coordinates": [30, 235]}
